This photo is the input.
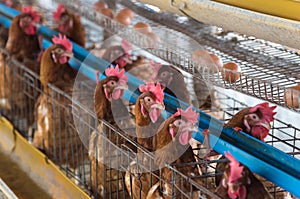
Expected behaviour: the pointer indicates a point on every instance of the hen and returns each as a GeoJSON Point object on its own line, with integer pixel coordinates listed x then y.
{"type": "Point", "coordinates": [172, 147]}
{"type": "Point", "coordinates": [172, 81]}
{"type": "Point", "coordinates": [54, 134]}
{"type": "Point", "coordinates": [254, 121]}
{"type": "Point", "coordinates": [238, 181]}
{"type": "Point", "coordinates": [148, 119]}
{"type": "Point", "coordinates": [120, 54]}
{"type": "Point", "coordinates": [4, 30]}
{"type": "Point", "coordinates": [69, 24]}
{"type": "Point", "coordinates": [107, 178]}
{"type": "Point", "coordinates": [22, 45]}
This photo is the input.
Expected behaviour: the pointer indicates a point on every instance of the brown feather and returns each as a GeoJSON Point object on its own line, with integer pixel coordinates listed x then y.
{"type": "Point", "coordinates": [167, 151]}
{"type": "Point", "coordinates": [113, 185]}
{"type": "Point", "coordinates": [254, 190]}
{"type": "Point", "coordinates": [23, 48]}
{"type": "Point", "coordinates": [55, 134]}
{"type": "Point", "coordinates": [77, 32]}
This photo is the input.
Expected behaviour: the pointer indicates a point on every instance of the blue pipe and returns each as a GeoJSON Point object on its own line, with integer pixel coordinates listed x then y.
{"type": "Point", "coordinates": [254, 147]}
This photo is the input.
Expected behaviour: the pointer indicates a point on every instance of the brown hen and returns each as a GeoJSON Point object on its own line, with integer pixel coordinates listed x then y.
{"type": "Point", "coordinates": [23, 46]}
{"type": "Point", "coordinates": [54, 134]}
{"type": "Point", "coordinates": [69, 24]}
{"type": "Point", "coordinates": [238, 181]}
{"type": "Point", "coordinates": [107, 178]}
{"type": "Point", "coordinates": [173, 148]}
{"type": "Point", "coordinates": [148, 119]}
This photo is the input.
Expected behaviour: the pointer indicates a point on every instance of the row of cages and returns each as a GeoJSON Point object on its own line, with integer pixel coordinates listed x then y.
{"type": "Point", "coordinates": [81, 145]}
{"type": "Point", "coordinates": [82, 148]}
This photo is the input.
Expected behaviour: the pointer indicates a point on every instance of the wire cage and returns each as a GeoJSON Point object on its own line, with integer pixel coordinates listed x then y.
{"type": "Point", "coordinates": [74, 124]}
{"type": "Point", "coordinates": [20, 87]}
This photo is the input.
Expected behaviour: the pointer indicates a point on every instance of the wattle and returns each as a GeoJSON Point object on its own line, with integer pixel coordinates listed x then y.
{"type": "Point", "coordinates": [259, 132]}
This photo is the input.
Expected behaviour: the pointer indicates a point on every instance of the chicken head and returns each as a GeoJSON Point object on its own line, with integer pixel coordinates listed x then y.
{"type": "Point", "coordinates": [63, 50]}
{"type": "Point", "coordinates": [257, 121]}
{"type": "Point", "coordinates": [29, 20]}
{"type": "Point", "coordinates": [115, 83]}
{"type": "Point", "coordinates": [63, 19]}
{"type": "Point", "coordinates": [151, 101]}
{"type": "Point", "coordinates": [184, 125]}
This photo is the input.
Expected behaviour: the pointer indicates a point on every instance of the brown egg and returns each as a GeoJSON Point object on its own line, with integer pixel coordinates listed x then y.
{"type": "Point", "coordinates": [206, 58]}
{"type": "Point", "coordinates": [153, 42]}
{"type": "Point", "coordinates": [231, 76]}
{"type": "Point", "coordinates": [142, 27]}
{"type": "Point", "coordinates": [123, 19]}
{"type": "Point", "coordinates": [292, 96]}
{"type": "Point", "coordinates": [107, 12]}
{"type": "Point", "coordinates": [127, 12]}
{"type": "Point", "coordinates": [98, 6]}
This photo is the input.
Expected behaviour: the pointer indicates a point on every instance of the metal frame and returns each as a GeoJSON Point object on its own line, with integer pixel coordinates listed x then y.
{"type": "Point", "coordinates": [268, 70]}
{"type": "Point", "coordinates": [285, 126]}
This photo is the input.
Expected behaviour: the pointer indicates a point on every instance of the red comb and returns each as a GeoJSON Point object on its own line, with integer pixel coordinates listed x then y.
{"type": "Point", "coordinates": [188, 114]}
{"type": "Point", "coordinates": [156, 67]}
{"type": "Point", "coordinates": [235, 168]}
{"type": "Point", "coordinates": [266, 111]}
{"type": "Point", "coordinates": [155, 89]}
{"type": "Point", "coordinates": [115, 72]}
{"type": "Point", "coordinates": [32, 12]}
{"type": "Point", "coordinates": [62, 40]}
{"type": "Point", "coordinates": [126, 46]}
{"type": "Point", "coordinates": [58, 12]}
{"type": "Point", "coordinates": [8, 3]}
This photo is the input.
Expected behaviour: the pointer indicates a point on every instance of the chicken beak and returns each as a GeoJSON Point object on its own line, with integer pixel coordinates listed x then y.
{"type": "Point", "coordinates": [122, 87]}
{"type": "Point", "coordinates": [266, 125]}
{"type": "Point", "coordinates": [68, 54]}
{"type": "Point", "coordinates": [193, 128]}
{"type": "Point", "coordinates": [158, 106]}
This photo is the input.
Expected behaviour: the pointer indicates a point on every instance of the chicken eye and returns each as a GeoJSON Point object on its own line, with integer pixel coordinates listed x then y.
{"type": "Point", "coordinates": [178, 122]}
{"type": "Point", "coordinates": [59, 50]}
{"type": "Point", "coordinates": [112, 83]}
{"type": "Point", "coordinates": [148, 99]}
{"type": "Point", "coordinates": [164, 74]}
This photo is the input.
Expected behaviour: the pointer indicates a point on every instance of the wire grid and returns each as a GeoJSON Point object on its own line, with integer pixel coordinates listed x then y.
{"type": "Point", "coordinates": [82, 175]}
{"type": "Point", "coordinates": [267, 69]}
{"type": "Point", "coordinates": [83, 120]}
{"type": "Point", "coordinates": [22, 87]}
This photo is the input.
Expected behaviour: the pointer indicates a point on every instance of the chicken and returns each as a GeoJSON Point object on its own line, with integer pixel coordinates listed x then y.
{"type": "Point", "coordinates": [172, 81]}
{"type": "Point", "coordinates": [107, 177]}
{"type": "Point", "coordinates": [4, 30]}
{"type": "Point", "coordinates": [120, 55]}
{"type": "Point", "coordinates": [148, 119]}
{"type": "Point", "coordinates": [54, 134]}
{"type": "Point", "coordinates": [238, 181]}
{"type": "Point", "coordinates": [69, 24]}
{"type": "Point", "coordinates": [172, 147]}
{"type": "Point", "coordinates": [22, 45]}
{"type": "Point", "coordinates": [254, 121]}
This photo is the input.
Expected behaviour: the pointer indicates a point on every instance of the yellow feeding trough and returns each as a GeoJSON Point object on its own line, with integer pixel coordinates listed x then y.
{"type": "Point", "coordinates": [36, 165]}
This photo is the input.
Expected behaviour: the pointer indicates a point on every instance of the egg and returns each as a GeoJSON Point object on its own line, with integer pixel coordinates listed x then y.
{"type": "Point", "coordinates": [107, 12]}
{"type": "Point", "coordinates": [155, 38]}
{"type": "Point", "coordinates": [123, 19]}
{"type": "Point", "coordinates": [98, 6]}
{"type": "Point", "coordinates": [292, 96]}
{"type": "Point", "coordinates": [127, 12]}
{"type": "Point", "coordinates": [208, 59]}
{"type": "Point", "coordinates": [233, 75]}
{"type": "Point", "coordinates": [142, 27]}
